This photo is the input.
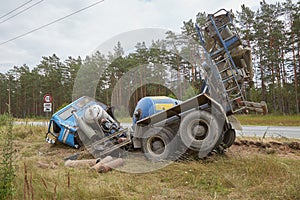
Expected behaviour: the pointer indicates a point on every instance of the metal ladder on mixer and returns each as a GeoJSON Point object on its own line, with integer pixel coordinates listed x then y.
{"type": "Point", "coordinates": [222, 58]}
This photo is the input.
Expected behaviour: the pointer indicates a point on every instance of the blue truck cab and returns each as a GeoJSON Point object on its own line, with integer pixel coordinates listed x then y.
{"type": "Point", "coordinates": [64, 126]}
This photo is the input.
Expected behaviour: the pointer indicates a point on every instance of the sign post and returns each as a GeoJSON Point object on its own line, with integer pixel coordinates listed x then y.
{"type": "Point", "coordinates": [47, 103]}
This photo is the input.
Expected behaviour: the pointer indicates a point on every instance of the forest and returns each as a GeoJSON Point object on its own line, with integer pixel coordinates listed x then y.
{"type": "Point", "coordinates": [271, 31]}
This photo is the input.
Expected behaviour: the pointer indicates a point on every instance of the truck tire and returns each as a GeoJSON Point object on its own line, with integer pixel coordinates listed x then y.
{"type": "Point", "coordinates": [156, 144]}
{"type": "Point", "coordinates": [229, 138]}
{"type": "Point", "coordinates": [201, 131]}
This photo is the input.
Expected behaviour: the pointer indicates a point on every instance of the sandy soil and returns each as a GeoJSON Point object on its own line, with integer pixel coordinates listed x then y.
{"type": "Point", "coordinates": [281, 148]}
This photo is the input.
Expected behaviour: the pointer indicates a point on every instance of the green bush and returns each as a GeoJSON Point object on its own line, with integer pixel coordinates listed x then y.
{"type": "Point", "coordinates": [4, 119]}
{"type": "Point", "coordinates": [7, 172]}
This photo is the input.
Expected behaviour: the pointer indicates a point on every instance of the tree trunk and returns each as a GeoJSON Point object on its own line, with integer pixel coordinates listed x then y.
{"type": "Point", "coordinates": [263, 86]}
{"type": "Point", "coordinates": [295, 75]}
{"type": "Point", "coordinates": [178, 77]}
{"type": "Point", "coordinates": [283, 78]}
{"type": "Point", "coordinates": [273, 87]}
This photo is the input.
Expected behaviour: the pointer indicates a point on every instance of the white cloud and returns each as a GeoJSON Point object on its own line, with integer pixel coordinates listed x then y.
{"type": "Point", "coordinates": [82, 33]}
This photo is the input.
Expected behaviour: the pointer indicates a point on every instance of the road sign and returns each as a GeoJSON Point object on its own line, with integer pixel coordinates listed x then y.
{"type": "Point", "coordinates": [47, 98]}
{"type": "Point", "coordinates": [47, 107]}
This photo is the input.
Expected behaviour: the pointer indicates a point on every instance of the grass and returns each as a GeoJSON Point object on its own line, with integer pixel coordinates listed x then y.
{"type": "Point", "coordinates": [33, 119]}
{"type": "Point", "coordinates": [232, 176]}
{"type": "Point", "coordinates": [269, 120]}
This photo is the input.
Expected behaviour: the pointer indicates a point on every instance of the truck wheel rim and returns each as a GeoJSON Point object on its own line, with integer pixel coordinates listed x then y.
{"type": "Point", "coordinates": [156, 145]}
{"type": "Point", "coordinates": [198, 130]}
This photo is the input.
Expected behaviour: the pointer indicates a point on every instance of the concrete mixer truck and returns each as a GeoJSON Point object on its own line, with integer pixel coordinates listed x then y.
{"type": "Point", "coordinates": [163, 127]}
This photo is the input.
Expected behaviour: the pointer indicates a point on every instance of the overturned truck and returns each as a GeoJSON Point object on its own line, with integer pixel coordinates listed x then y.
{"type": "Point", "coordinates": [165, 128]}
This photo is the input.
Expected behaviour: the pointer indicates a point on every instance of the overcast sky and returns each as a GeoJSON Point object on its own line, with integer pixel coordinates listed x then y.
{"type": "Point", "coordinates": [81, 34]}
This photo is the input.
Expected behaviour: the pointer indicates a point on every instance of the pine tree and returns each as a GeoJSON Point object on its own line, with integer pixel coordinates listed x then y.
{"type": "Point", "coordinates": [245, 21]}
{"type": "Point", "coordinates": [293, 24]}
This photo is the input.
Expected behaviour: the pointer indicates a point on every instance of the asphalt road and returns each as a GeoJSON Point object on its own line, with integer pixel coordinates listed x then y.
{"type": "Point", "coordinates": [258, 131]}
{"type": "Point", "coordinates": [271, 131]}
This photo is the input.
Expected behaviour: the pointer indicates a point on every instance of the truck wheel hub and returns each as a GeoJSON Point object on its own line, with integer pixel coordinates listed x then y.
{"type": "Point", "coordinates": [157, 145]}
{"type": "Point", "coordinates": [199, 132]}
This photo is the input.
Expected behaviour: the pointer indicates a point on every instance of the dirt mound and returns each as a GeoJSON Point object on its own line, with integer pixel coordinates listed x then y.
{"type": "Point", "coordinates": [267, 146]}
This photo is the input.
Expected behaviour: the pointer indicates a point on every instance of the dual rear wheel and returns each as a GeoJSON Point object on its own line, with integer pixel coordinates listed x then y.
{"type": "Point", "coordinates": [199, 130]}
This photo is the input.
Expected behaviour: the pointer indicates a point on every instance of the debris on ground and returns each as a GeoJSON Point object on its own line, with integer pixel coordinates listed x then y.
{"type": "Point", "coordinates": [98, 165]}
{"type": "Point", "coordinates": [111, 165]}
{"type": "Point", "coordinates": [104, 165]}
{"type": "Point", "coordinates": [80, 163]}
{"type": "Point", "coordinates": [44, 165]}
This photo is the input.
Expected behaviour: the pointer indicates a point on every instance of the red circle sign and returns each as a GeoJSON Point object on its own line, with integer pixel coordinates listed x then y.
{"type": "Point", "coordinates": [47, 98]}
